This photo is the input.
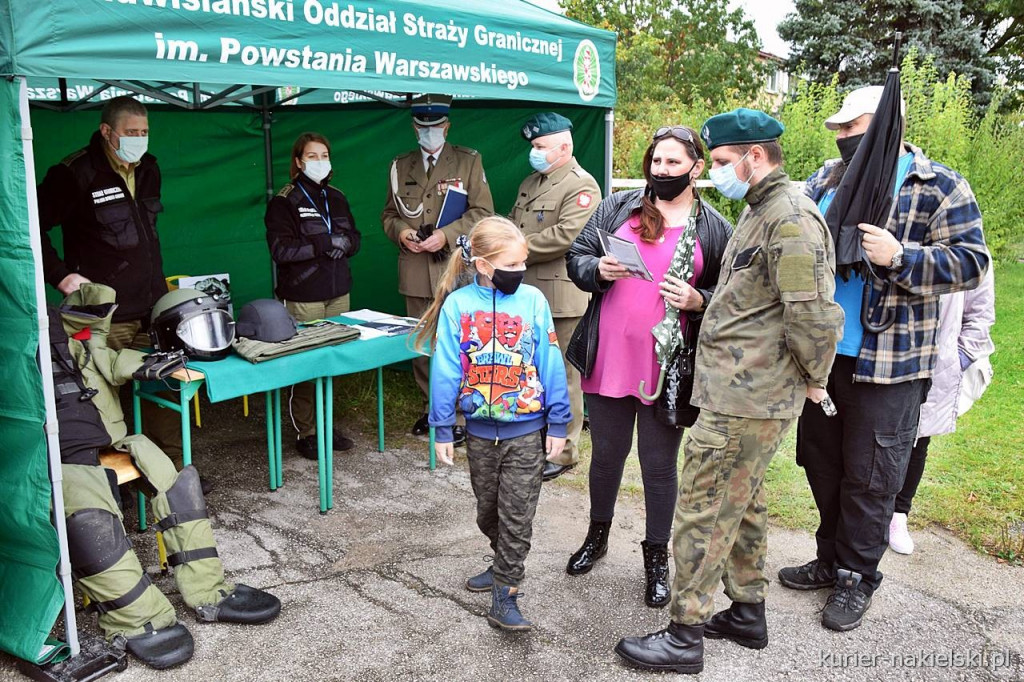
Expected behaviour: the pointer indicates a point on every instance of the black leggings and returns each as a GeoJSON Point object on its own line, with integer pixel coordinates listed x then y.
{"type": "Point", "coordinates": [915, 470]}
{"type": "Point", "coordinates": [611, 432]}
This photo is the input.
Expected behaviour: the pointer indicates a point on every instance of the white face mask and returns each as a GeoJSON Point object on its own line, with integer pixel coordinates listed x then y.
{"type": "Point", "coordinates": [431, 138]}
{"type": "Point", "coordinates": [131, 149]}
{"type": "Point", "coordinates": [317, 170]}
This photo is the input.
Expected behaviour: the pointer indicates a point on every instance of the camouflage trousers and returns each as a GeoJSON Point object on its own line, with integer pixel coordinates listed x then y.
{"type": "Point", "coordinates": [721, 518]}
{"type": "Point", "coordinates": [506, 478]}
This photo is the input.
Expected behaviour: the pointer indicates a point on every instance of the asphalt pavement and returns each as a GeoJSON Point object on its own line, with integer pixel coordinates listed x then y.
{"type": "Point", "coordinates": [373, 590]}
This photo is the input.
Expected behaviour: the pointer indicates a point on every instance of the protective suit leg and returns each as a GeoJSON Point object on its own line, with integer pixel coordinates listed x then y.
{"type": "Point", "coordinates": [180, 511]}
{"type": "Point", "coordinates": [107, 571]}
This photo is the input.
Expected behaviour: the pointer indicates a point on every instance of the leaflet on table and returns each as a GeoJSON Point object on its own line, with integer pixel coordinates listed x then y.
{"type": "Point", "coordinates": [626, 253]}
{"type": "Point", "coordinates": [373, 324]}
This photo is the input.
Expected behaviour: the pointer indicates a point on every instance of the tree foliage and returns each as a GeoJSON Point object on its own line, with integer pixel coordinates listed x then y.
{"type": "Point", "coordinates": [675, 51]}
{"type": "Point", "coordinates": [854, 38]}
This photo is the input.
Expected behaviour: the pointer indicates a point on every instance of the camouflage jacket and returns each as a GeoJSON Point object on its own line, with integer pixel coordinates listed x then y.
{"type": "Point", "coordinates": [772, 326]}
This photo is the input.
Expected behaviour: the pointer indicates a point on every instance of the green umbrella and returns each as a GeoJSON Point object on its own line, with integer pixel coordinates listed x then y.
{"type": "Point", "coordinates": [668, 338]}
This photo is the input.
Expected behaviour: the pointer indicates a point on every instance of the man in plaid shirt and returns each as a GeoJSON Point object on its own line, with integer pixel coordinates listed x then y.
{"type": "Point", "coordinates": [855, 462]}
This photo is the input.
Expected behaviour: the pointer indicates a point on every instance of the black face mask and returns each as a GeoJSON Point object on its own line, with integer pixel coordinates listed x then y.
{"type": "Point", "coordinates": [507, 281]}
{"type": "Point", "coordinates": [668, 187]}
{"type": "Point", "coordinates": [848, 147]}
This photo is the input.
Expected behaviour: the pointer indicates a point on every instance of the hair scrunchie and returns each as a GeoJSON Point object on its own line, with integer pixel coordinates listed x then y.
{"type": "Point", "coordinates": [467, 255]}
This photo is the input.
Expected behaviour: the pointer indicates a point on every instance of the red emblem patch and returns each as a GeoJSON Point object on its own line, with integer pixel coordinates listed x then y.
{"type": "Point", "coordinates": [583, 200]}
{"type": "Point", "coordinates": [552, 337]}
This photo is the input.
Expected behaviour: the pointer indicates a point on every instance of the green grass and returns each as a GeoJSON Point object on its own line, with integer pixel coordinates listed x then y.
{"type": "Point", "coordinates": [973, 483]}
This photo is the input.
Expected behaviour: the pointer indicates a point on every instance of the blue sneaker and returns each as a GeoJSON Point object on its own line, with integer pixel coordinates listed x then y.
{"type": "Point", "coordinates": [481, 582]}
{"type": "Point", "coordinates": [504, 612]}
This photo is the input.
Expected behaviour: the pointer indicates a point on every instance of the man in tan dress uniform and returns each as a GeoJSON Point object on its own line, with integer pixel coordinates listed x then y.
{"type": "Point", "coordinates": [417, 184]}
{"type": "Point", "coordinates": [552, 206]}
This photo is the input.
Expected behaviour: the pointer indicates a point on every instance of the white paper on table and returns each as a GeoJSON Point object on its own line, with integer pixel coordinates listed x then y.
{"type": "Point", "coordinates": [366, 315]}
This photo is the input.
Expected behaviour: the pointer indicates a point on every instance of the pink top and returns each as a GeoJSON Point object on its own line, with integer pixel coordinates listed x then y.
{"type": "Point", "coordinates": [629, 310]}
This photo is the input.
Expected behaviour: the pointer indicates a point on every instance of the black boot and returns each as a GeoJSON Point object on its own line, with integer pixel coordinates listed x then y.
{"type": "Point", "coordinates": [245, 604]}
{"type": "Point", "coordinates": [163, 648]}
{"type": "Point", "coordinates": [744, 624]}
{"type": "Point", "coordinates": [677, 647]}
{"type": "Point", "coordinates": [656, 568]}
{"type": "Point", "coordinates": [594, 547]}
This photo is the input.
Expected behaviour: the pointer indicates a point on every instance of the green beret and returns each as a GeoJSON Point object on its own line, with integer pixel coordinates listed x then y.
{"type": "Point", "coordinates": [547, 123]}
{"type": "Point", "coordinates": [740, 126]}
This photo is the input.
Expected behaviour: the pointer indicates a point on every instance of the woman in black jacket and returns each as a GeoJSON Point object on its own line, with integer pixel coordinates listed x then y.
{"type": "Point", "coordinates": [312, 234]}
{"type": "Point", "coordinates": [613, 346]}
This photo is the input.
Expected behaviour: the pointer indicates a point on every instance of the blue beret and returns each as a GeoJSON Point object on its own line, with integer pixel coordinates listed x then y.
{"type": "Point", "coordinates": [740, 126]}
{"type": "Point", "coordinates": [547, 123]}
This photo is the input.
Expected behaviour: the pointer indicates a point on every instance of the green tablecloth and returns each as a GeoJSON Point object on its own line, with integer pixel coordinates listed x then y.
{"type": "Point", "coordinates": [234, 376]}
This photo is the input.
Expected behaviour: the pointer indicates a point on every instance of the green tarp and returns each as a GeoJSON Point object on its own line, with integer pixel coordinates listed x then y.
{"type": "Point", "coordinates": [492, 49]}
{"type": "Point", "coordinates": [30, 595]}
{"type": "Point", "coordinates": [214, 179]}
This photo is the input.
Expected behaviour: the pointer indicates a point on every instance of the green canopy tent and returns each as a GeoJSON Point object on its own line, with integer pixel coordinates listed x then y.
{"type": "Point", "coordinates": [288, 65]}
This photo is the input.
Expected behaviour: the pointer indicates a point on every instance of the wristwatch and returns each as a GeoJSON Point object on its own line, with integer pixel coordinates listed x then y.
{"type": "Point", "coordinates": [897, 260]}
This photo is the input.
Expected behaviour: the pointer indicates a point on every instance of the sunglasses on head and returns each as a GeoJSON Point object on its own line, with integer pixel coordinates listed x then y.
{"type": "Point", "coordinates": [678, 132]}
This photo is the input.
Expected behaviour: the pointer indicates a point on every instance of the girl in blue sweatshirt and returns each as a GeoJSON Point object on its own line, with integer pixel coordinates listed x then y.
{"type": "Point", "coordinates": [496, 357]}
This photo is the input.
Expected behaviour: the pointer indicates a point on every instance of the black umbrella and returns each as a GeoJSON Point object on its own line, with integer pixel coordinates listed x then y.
{"type": "Point", "coordinates": [864, 194]}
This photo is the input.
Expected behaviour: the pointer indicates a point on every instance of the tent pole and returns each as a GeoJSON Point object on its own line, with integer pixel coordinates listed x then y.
{"type": "Point", "coordinates": [52, 440]}
{"type": "Point", "coordinates": [268, 164]}
{"type": "Point", "coordinates": [609, 135]}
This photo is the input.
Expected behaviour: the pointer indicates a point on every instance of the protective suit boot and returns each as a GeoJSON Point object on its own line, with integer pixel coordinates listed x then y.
{"type": "Point", "coordinates": [163, 648]}
{"type": "Point", "coordinates": [243, 605]}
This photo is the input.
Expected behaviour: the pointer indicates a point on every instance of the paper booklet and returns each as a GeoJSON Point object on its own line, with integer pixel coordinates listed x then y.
{"type": "Point", "coordinates": [626, 253]}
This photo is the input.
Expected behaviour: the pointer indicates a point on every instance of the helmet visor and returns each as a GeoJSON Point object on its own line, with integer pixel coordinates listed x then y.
{"type": "Point", "coordinates": [209, 331]}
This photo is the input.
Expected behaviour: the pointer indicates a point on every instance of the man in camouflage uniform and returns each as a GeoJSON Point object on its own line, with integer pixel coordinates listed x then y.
{"type": "Point", "coordinates": [767, 342]}
{"type": "Point", "coordinates": [417, 184]}
{"type": "Point", "coordinates": [552, 206]}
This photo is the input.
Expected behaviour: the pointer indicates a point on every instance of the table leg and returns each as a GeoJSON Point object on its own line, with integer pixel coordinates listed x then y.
{"type": "Point", "coordinates": [380, 409]}
{"type": "Point", "coordinates": [186, 430]}
{"type": "Point", "coordinates": [271, 451]}
{"type": "Point", "coordinates": [433, 453]}
{"type": "Point", "coordinates": [278, 454]}
{"type": "Point", "coordinates": [329, 438]}
{"type": "Point", "coordinates": [321, 455]}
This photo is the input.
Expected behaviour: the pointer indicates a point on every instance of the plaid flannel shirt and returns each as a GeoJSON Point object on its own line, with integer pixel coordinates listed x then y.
{"type": "Point", "coordinates": [937, 219]}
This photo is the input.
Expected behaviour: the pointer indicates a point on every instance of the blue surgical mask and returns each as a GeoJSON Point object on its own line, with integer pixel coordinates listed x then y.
{"type": "Point", "coordinates": [539, 160]}
{"type": "Point", "coordinates": [726, 181]}
{"type": "Point", "coordinates": [431, 138]}
{"type": "Point", "coordinates": [131, 149]}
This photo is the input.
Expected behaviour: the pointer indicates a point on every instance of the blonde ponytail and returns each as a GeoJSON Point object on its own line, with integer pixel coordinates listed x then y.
{"type": "Point", "coordinates": [488, 238]}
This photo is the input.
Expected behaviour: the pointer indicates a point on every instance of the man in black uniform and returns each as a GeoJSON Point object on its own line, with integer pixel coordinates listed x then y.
{"type": "Point", "coordinates": [106, 197]}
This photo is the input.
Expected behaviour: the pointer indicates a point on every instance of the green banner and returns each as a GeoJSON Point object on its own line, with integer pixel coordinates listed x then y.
{"type": "Point", "coordinates": [493, 50]}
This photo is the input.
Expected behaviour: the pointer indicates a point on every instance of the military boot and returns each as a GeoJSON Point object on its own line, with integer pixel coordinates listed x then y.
{"type": "Point", "coordinates": [678, 647]}
{"type": "Point", "coordinates": [744, 624]}
{"type": "Point", "coordinates": [594, 547]}
{"type": "Point", "coordinates": [656, 569]}
{"type": "Point", "coordinates": [244, 604]}
{"type": "Point", "coordinates": [505, 612]}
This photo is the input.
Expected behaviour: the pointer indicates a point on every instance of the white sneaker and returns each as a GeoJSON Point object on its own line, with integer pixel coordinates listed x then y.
{"type": "Point", "coordinates": [899, 537]}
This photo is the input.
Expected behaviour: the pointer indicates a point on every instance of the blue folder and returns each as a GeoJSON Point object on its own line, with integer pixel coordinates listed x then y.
{"type": "Point", "coordinates": [456, 201]}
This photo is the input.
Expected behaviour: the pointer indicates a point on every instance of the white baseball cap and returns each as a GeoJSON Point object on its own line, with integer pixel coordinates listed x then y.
{"type": "Point", "coordinates": [859, 102]}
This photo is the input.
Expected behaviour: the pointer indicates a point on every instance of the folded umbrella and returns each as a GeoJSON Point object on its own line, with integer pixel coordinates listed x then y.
{"type": "Point", "coordinates": [865, 193]}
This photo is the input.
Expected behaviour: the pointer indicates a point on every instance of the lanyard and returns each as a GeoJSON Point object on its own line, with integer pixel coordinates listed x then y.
{"type": "Point", "coordinates": [327, 219]}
